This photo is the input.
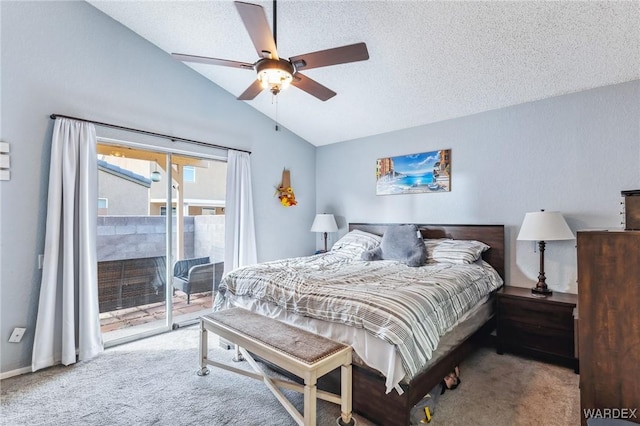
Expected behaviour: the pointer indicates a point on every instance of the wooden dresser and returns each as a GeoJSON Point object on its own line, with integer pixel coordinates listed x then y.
{"type": "Point", "coordinates": [609, 325]}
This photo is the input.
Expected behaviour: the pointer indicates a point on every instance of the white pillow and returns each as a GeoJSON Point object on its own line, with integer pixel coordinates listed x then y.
{"type": "Point", "coordinates": [356, 242]}
{"type": "Point", "coordinates": [431, 244]}
{"type": "Point", "coordinates": [459, 251]}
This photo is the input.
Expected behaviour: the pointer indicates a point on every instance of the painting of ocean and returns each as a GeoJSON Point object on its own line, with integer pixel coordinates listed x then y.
{"type": "Point", "coordinates": [414, 173]}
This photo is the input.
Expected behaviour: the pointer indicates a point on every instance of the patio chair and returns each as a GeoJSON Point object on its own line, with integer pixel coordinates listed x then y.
{"type": "Point", "coordinates": [195, 276]}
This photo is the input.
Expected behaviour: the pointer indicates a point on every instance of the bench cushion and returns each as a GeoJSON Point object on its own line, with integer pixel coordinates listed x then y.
{"type": "Point", "coordinates": [306, 347]}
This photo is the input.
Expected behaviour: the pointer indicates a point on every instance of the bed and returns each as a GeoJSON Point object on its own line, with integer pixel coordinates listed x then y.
{"type": "Point", "coordinates": [398, 359]}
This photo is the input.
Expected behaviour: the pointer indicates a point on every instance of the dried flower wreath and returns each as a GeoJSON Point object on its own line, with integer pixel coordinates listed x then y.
{"type": "Point", "coordinates": [285, 192]}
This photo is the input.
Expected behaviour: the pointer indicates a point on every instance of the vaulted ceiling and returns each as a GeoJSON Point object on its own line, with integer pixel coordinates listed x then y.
{"type": "Point", "coordinates": [429, 60]}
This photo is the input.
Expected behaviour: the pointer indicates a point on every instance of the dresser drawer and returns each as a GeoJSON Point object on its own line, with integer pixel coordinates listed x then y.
{"type": "Point", "coordinates": [543, 339]}
{"type": "Point", "coordinates": [540, 314]}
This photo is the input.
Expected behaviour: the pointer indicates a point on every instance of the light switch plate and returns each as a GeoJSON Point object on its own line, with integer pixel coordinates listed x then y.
{"type": "Point", "coordinates": [5, 161]}
{"type": "Point", "coordinates": [17, 334]}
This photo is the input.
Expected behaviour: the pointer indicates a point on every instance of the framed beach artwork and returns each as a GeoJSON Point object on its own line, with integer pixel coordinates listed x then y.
{"type": "Point", "coordinates": [414, 173]}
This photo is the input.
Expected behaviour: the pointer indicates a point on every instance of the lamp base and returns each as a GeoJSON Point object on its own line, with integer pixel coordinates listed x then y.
{"type": "Point", "coordinates": [541, 291]}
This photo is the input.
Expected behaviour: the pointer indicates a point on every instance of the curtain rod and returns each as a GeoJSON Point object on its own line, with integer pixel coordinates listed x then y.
{"type": "Point", "coordinates": [146, 132]}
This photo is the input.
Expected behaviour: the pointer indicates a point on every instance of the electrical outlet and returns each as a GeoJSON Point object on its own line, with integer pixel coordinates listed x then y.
{"type": "Point", "coordinates": [17, 334]}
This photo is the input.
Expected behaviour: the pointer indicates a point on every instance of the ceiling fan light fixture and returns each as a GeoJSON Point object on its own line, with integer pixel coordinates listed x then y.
{"type": "Point", "coordinates": [274, 75]}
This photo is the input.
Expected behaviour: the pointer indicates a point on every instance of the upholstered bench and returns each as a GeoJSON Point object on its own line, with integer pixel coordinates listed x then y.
{"type": "Point", "coordinates": [297, 351]}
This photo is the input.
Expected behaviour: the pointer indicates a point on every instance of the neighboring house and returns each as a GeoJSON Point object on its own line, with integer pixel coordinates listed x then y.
{"type": "Point", "coordinates": [121, 191]}
{"type": "Point", "coordinates": [124, 188]}
{"type": "Point", "coordinates": [204, 189]}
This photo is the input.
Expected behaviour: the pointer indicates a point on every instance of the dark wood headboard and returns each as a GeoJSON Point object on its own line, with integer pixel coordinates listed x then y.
{"type": "Point", "coordinates": [493, 235]}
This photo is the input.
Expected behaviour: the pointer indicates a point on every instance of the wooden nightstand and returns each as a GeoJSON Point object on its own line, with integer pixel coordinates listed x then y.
{"type": "Point", "coordinates": [542, 327]}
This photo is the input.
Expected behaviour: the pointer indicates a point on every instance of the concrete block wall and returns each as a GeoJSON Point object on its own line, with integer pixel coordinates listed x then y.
{"type": "Point", "coordinates": [208, 234]}
{"type": "Point", "coordinates": [132, 237]}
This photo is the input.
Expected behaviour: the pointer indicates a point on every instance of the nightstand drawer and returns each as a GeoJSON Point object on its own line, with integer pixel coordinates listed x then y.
{"type": "Point", "coordinates": [539, 327]}
{"type": "Point", "coordinates": [543, 339]}
{"type": "Point", "coordinates": [538, 314]}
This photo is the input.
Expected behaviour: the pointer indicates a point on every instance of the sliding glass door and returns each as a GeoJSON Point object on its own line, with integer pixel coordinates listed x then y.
{"type": "Point", "coordinates": [198, 206]}
{"type": "Point", "coordinates": [147, 282]}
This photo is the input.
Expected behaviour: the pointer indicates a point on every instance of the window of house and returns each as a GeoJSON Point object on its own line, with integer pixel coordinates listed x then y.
{"type": "Point", "coordinates": [163, 211]}
{"type": "Point", "coordinates": [189, 173]}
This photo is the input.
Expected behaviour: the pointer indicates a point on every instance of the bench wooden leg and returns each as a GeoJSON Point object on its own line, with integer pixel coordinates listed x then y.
{"type": "Point", "coordinates": [310, 399]}
{"type": "Point", "coordinates": [238, 357]}
{"type": "Point", "coordinates": [345, 396]}
{"type": "Point", "coordinates": [203, 350]}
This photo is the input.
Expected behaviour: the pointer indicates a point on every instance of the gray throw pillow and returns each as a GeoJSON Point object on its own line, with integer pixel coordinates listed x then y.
{"type": "Point", "coordinates": [400, 242]}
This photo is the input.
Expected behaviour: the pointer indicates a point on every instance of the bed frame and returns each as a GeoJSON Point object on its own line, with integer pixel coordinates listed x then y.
{"type": "Point", "coordinates": [369, 397]}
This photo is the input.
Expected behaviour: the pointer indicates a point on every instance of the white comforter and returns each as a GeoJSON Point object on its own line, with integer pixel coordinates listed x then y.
{"type": "Point", "coordinates": [407, 307]}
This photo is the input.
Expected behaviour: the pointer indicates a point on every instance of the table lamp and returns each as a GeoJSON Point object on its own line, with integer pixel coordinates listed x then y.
{"type": "Point", "coordinates": [324, 223]}
{"type": "Point", "coordinates": [544, 226]}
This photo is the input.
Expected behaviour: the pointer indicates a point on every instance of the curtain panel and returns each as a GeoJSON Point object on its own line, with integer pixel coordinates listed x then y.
{"type": "Point", "coordinates": [68, 320]}
{"type": "Point", "coordinates": [240, 235]}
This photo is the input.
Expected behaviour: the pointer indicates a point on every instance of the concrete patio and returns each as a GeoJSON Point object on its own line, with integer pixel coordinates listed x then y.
{"type": "Point", "coordinates": [145, 314]}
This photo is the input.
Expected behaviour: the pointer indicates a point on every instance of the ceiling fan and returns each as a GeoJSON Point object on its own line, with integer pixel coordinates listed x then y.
{"type": "Point", "coordinates": [275, 73]}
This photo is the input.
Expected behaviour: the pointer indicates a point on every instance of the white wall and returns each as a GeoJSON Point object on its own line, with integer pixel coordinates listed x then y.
{"type": "Point", "coordinates": [571, 153]}
{"type": "Point", "coordinates": [69, 58]}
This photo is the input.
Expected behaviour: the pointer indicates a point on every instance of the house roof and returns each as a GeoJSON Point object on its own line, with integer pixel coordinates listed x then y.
{"type": "Point", "coordinates": [123, 173]}
{"type": "Point", "coordinates": [429, 60]}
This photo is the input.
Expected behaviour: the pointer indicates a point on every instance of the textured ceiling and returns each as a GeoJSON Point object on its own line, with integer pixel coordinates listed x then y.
{"type": "Point", "coordinates": [429, 61]}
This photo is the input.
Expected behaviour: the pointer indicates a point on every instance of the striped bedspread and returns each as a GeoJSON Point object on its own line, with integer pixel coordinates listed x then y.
{"type": "Point", "coordinates": [406, 306]}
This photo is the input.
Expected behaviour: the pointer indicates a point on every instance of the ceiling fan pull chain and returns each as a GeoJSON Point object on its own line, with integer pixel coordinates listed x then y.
{"type": "Point", "coordinates": [276, 99]}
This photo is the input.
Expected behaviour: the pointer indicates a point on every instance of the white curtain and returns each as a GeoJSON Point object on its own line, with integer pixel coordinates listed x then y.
{"type": "Point", "coordinates": [68, 322]}
{"type": "Point", "coordinates": [240, 235]}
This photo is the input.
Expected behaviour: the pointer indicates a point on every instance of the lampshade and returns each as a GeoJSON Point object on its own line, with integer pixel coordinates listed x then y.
{"type": "Point", "coordinates": [324, 223]}
{"type": "Point", "coordinates": [544, 226]}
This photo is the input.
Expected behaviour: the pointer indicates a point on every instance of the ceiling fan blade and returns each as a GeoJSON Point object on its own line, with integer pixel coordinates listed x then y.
{"type": "Point", "coordinates": [212, 61]}
{"type": "Point", "coordinates": [255, 21]}
{"type": "Point", "coordinates": [251, 92]}
{"type": "Point", "coordinates": [337, 55]}
{"type": "Point", "coordinates": [312, 87]}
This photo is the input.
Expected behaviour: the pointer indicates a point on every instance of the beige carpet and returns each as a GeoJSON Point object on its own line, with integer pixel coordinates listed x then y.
{"type": "Point", "coordinates": [509, 390]}
{"type": "Point", "coordinates": [153, 382]}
